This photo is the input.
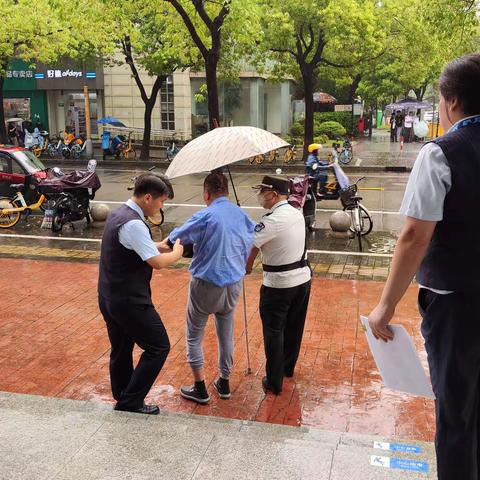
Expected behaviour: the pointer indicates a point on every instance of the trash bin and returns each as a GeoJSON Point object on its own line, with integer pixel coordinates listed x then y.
{"type": "Point", "coordinates": [105, 140]}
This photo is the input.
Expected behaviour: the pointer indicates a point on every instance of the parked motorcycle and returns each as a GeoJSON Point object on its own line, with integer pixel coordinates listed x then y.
{"type": "Point", "coordinates": [70, 195]}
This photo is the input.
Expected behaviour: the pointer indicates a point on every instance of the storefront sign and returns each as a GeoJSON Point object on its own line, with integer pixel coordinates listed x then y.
{"type": "Point", "coordinates": [69, 75]}
{"type": "Point", "coordinates": [63, 73]}
{"type": "Point", "coordinates": [19, 77]}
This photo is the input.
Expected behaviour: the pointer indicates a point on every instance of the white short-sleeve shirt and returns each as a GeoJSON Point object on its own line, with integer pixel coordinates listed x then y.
{"type": "Point", "coordinates": [280, 236]}
{"type": "Point", "coordinates": [427, 187]}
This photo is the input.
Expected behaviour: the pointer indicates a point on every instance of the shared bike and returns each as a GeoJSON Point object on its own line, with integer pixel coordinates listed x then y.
{"type": "Point", "coordinates": [12, 208]}
{"type": "Point", "coordinates": [361, 220]}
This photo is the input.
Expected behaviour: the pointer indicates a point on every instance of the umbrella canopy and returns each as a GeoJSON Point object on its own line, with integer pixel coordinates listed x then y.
{"type": "Point", "coordinates": [111, 121]}
{"type": "Point", "coordinates": [220, 147]}
{"type": "Point", "coordinates": [408, 103]}
{"type": "Point", "coordinates": [322, 97]}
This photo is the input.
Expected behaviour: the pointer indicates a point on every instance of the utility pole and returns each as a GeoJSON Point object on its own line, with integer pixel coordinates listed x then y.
{"type": "Point", "coordinates": [89, 145]}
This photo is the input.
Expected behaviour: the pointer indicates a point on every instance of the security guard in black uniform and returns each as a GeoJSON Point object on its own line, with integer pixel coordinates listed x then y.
{"type": "Point", "coordinates": [285, 292]}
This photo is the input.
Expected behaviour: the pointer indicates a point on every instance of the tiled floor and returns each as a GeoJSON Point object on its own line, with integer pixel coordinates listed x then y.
{"type": "Point", "coordinates": [53, 342]}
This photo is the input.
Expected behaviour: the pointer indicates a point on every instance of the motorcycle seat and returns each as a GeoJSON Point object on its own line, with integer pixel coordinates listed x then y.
{"type": "Point", "coordinates": [19, 187]}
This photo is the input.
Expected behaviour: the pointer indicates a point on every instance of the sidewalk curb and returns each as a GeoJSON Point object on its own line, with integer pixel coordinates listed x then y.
{"type": "Point", "coordinates": [297, 168]}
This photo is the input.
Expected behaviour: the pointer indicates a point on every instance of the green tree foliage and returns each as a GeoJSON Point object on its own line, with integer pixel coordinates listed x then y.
{"type": "Point", "coordinates": [150, 37]}
{"type": "Point", "coordinates": [29, 40]}
{"type": "Point", "coordinates": [47, 30]}
{"type": "Point", "coordinates": [423, 35]}
{"type": "Point", "coordinates": [304, 35]}
{"type": "Point", "coordinates": [225, 33]}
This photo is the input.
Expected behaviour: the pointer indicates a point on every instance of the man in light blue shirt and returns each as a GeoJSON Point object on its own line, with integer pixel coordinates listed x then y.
{"type": "Point", "coordinates": [222, 238]}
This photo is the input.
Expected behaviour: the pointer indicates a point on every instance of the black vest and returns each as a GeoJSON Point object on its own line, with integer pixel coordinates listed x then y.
{"type": "Point", "coordinates": [124, 276]}
{"type": "Point", "coordinates": [453, 257]}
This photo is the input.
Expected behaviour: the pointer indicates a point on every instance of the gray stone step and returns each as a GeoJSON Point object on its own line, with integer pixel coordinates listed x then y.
{"type": "Point", "coordinates": [51, 438]}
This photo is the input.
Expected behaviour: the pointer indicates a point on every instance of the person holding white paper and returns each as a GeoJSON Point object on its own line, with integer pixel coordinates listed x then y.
{"type": "Point", "coordinates": [440, 243]}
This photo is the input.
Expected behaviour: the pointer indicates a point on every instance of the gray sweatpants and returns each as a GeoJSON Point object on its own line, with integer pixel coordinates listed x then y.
{"type": "Point", "coordinates": [205, 299]}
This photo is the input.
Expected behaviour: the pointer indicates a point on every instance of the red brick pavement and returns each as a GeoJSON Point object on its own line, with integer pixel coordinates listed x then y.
{"type": "Point", "coordinates": [53, 342]}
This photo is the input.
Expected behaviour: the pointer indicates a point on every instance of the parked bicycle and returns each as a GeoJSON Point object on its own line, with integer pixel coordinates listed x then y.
{"type": "Point", "coordinates": [361, 220]}
{"type": "Point", "coordinates": [344, 151]}
{"type": "Point", "coordinates": [127, 149]}
{"type": "Point", "coordinates": [290, 153]}
{"type": "Point", "coordinates": [12, 208]}
{"type": "Point", "coordinates": [172, 149]}
{"type": "Point", "coordinates": [157, 219]}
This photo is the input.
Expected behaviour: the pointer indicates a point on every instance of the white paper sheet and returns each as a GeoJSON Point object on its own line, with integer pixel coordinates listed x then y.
{"type": "Point", "coordinates": [398, 362]}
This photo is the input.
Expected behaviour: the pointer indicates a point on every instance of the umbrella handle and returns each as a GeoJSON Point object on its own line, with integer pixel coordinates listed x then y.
{"type": "Point", "coordinates": [233, 186]}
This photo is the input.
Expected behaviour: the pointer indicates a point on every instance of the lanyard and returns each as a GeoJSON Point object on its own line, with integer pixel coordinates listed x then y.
{"type": "Point", "coordinates": [278, 206]}
{"type": "Point", "coordinates": [466, 123]}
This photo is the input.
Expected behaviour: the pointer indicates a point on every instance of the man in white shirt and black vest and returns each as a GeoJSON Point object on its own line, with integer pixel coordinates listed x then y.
{"type": "Point", "coordinates": [284, 295]}
{"type": "Point", "coordinates": [440, 243]}
{"type": "Point", "coordinates": [127, 260]}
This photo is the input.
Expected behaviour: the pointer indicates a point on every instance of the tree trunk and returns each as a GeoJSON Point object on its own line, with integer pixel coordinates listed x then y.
{"type": "Point", "coordinates": [147, 130]}
{"type": "Point", "coordinates": [211, 63]}
{"type": "Point", "coordinates": [352, 92]}
{"type": "Point", "coordinates": [307, 77]}
{"type": "Point", "coordinates": [3, 128]}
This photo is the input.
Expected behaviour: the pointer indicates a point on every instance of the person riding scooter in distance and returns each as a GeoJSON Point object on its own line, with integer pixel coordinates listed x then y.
{"type": "Point", "coordinates": [317, 169]}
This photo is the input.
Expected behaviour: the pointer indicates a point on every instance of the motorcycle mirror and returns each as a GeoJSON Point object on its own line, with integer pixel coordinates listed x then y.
{"type": "Point", "coordinates": [92, 165]}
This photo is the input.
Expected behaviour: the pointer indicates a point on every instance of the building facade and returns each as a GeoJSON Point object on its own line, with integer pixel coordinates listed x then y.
{"type": "Point", "coordinates": [53, 95]}
{"type": "Point", "coordinates": [252, 101]}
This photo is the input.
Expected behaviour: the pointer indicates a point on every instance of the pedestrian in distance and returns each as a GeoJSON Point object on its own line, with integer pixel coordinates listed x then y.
{"type": "Point", "coordinates": [399, 124]}
{"type": "Point", "coordinates": [127, 259]}
{"type": "Point", "coordinates": [222, 237]}
{"type": "Point", "coordinates": [440, 243]}
{"type": "Point", "coordinates": [285, 291]}
{"type": "Point", "coordinates": [393, 134]}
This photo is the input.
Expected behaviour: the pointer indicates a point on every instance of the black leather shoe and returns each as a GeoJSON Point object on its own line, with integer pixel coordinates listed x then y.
{"type": "Point", "coordinates": [267, 388]}
{"type": "Point", "coordinates": [195, 394]}
{"type": "Point", "coordinates": [146, 409]}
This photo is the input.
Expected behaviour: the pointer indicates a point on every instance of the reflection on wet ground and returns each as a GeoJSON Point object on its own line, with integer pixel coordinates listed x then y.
{"type": "Point", "coordinates": [54, 343]}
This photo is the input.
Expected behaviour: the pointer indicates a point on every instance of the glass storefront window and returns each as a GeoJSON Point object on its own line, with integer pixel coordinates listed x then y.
{"type": "Point", "coordinates": [16, 107]}
{"type": "Point", "coordinates": [75, 113]}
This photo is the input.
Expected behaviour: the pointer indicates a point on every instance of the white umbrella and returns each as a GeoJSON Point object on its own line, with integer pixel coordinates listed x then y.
{"type": "Point", "coordinates": [10, 120]}
{"type": "Point", "coordinates": [220, 147]}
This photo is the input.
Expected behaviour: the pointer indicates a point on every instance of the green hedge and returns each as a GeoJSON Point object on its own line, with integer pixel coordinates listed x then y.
{"type": "Point", "coordinates": [323, 139]}
{"type": "Point", "coordinates": [332, 129]}
{"type": "Point", "coordinates": [344, 118]}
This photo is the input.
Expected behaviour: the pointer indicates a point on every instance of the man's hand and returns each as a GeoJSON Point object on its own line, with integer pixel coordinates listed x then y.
{"type": "Point", "coordinates": [178, 248]}
{"type": "Point", "coordinates": [379, 319]}
{"type": "Point", "coordinates": [163, 246]}
{"type": "Point", "coordinates": [251, 260]}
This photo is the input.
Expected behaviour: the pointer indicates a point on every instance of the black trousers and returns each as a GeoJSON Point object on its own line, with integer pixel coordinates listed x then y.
{"type": "Point", "coordinates": [451, 328]}
{"type": "Point", "coordinates": [127, 325]}
{"type": "Point", "coordinates": [283, 312]}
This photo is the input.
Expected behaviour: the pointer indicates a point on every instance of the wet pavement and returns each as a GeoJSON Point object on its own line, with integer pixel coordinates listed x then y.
{"type": "Point", "coordinates": [53, 342]}
{"type": "Point", "coordinates": [376, 153]}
